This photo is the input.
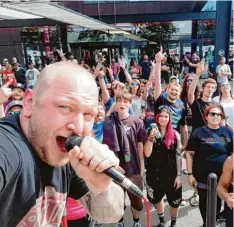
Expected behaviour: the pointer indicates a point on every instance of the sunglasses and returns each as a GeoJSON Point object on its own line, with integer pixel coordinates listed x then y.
{"type": "Point", "coordinates": [213, 114]}
{"type": "Point", "coordinates": [13, 112]}
{"type": "Point", "coordinates": [189, 80]}
{"type": "Point", "coordinates": [135, 84]}
{"type": "Point", "coordinates": [225, 85]}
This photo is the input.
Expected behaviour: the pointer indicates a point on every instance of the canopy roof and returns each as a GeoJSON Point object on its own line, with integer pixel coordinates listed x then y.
{"type": "Point", "coordinates": [17, 10]}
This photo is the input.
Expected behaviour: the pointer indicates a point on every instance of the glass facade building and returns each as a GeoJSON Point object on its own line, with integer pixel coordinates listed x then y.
{"type": "Point", "coordinates": [180, 26]}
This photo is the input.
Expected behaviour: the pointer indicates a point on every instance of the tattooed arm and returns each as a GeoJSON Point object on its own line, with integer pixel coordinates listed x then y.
{"type": "Point", "coordinates": [178, 154]}
{"type": "Point", "coordinates": [105, 207]}
{"type": "Point", "coordinates": [189, 162]}
{"type": "Point", "coordinates": [178, 181]}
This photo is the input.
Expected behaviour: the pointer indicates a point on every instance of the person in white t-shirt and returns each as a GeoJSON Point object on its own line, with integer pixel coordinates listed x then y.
{"type": "Point", "coordinates": [223, 72]}
{"type": "Point", "coordinates": [72, 59]}
{"type": "Point", "coordinates": [226, 99]}
{"type": "Point", "coordinates": [123, 65]}
{"type": "Point", "coordinates": [122, 62]}
{"type": "Point", "coordinates": [31, 75]}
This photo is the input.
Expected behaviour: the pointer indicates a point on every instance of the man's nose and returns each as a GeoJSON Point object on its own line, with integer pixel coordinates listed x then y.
{"type": "Point", "coordinates": [76, 124]}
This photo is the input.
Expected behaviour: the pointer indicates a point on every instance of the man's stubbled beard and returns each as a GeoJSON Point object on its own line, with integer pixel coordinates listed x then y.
{"type": "Point", "coordinates": [33, 136]}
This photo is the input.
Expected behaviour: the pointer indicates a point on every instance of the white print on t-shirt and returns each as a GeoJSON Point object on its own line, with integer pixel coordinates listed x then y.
{"type": "Point", "coordinates": [31, 75]}
{"type": "Point", "coordinates": [48, 210]}
{"type": "Point", "coordinates": [127, 129]}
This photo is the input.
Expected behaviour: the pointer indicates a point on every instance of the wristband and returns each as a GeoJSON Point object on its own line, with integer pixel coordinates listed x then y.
{"type": "Point", "coordinates": [189, 174]}
{"type": "Point", "coordinates": [179, 174]}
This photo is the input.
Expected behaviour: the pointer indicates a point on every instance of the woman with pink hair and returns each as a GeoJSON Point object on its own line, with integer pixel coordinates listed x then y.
{"type": "Point", "coordinates": [163, 169]}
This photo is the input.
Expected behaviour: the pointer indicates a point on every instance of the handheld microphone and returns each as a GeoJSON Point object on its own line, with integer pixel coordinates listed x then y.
{"type": "Point", "coordinates": [112, 172]}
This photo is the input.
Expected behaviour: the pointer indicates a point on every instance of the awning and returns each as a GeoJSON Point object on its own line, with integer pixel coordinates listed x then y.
{"type": "Point", "coordinates": [45, 9]}
{"type": "Point", "coordinates": [10, 14]}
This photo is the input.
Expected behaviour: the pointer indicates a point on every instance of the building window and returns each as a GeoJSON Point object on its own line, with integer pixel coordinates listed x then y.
{"type": "Point", "coordinates": [209, 6]}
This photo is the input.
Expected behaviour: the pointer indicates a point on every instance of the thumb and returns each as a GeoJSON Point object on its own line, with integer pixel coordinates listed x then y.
{"type": "Point", "coordinates": [74, 153]}
{"type": "Point", "coordinates": [175, 184]}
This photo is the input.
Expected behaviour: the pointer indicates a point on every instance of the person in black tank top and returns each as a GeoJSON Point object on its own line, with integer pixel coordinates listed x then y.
{"type": "Point", "coordinates": [163, 169]}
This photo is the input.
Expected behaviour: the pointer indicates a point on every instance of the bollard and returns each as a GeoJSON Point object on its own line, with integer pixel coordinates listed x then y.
{"type": "Point", "coordinates": [211, 200]}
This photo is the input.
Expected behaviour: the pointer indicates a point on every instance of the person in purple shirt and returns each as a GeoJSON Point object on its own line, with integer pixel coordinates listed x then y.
{"type": "Point", "coordinates": [125, 134]}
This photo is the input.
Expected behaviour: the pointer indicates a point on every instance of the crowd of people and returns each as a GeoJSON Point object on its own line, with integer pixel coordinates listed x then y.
{"type": "Point", "coordinates": [151, 128]}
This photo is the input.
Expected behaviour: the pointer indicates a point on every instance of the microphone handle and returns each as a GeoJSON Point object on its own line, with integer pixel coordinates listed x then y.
{"type": "Point", "coordinates": [123, 181]}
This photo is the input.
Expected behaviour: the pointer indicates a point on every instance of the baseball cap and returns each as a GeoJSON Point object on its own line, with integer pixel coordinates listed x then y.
{"type": "Point", "coordinates": [19, 85]}
{"type": "Point", "coordinates": [12, 104]}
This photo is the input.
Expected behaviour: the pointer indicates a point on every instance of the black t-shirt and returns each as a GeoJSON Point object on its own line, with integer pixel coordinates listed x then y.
{"type": "Point", "coordinates": [32, 193]}
{"type": "Point", "coordinates": [198, 107]}
{"type": "Point", "coordinates": [169, 61]}
{"type": "Point", "coordinates": [177, 111]}
{"type": "Point", "coordinates": [20, 76]}
{"type": "Point", "coordinates": [165, 74]}
{"type": "Point", "coordinates": [194, 61]}
{"type": "Point", "coordinates": [210, 154]}
{"type": "Point", "coordinates": [146, 69]}
{"type": "Point", "coordinates": [185, 63]}
{"type": "Point", "coordinates": [177, 66]}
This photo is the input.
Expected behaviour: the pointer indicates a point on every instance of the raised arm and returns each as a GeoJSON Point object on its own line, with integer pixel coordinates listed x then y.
{"type": "Point", "coordinates": [156, 74]}
{"type": "Point", "coordinates": [111, 74]}
{"type": "Point", "coordinates": [199, 71]}
{"type": "Point", "coordinates": [105, 93]}
{"type": "Point", "coordinates": [127, 75]}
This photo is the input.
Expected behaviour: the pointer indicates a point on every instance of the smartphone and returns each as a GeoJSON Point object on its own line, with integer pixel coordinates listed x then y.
{"type": "Point", "coordinates": [158, 134]}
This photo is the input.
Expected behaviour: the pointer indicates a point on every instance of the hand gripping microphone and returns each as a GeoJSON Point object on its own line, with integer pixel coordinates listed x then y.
{"type": "Point", "coordinates": [112, 172]}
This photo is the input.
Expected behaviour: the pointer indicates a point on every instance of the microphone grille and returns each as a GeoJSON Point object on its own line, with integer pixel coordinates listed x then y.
{"type": "Point", "coordinates": [72, 142]}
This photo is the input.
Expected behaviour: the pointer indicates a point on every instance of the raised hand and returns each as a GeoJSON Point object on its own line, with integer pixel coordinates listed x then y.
{"type": "Point", "coordinates": [110, 71]}
{"type": "Point", "coordinates": [5, 92]}
{"type": "Point", "coordinates": [200, 69]}
{"type": "Point", "coordinates": [159, 56]}
{"type": "Point", "coordinates": [101, 74]}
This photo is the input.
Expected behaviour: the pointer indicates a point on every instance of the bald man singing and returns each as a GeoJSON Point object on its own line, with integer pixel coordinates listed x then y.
{"type": "Point", "coordinates": [36, 172]}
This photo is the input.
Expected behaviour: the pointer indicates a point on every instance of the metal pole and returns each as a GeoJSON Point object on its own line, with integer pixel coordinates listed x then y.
{"type": "Point", "coordinates": [211, 200]}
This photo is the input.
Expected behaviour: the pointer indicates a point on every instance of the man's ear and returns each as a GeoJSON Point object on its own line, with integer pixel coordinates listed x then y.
{"type": "Point", "coordinates": [28, 100]}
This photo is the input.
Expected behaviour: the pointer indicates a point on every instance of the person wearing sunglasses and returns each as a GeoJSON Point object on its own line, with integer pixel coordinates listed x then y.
{"type": "Point", "coordinates": [226, 99]}
{"type": "Point", "coordinates": [163, 168]}
{"type": "Point", "coordinates": [208, 148]}
{"type": "Point", "coordinates": [14, 107]}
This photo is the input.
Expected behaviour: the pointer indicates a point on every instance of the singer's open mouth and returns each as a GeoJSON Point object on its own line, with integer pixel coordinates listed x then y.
{"type": "Point", "coordinates": [61, 143]}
